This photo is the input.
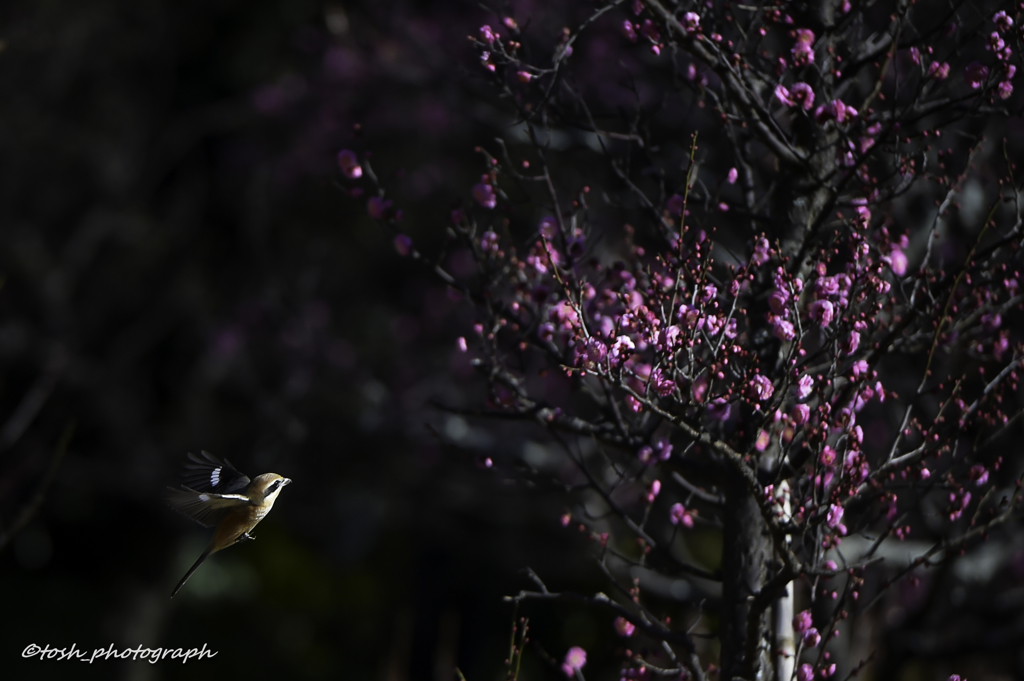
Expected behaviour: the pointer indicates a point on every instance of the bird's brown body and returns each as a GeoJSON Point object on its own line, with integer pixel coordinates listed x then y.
{"type": "Point", "coordinates": [215, 493]}
{"type": "Point", "coordinates": [241, 520]}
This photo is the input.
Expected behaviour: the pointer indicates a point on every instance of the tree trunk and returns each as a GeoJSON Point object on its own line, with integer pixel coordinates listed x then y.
{"type": "Point", "coordinates": [746, 549]}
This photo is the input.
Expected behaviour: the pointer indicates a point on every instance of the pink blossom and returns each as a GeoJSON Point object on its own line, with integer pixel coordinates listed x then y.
{"type": "Point", "coordinates": [979, 474]}
{"type": "Point", "coordinates": [802, 622]}
{"type": "Point", "coordinates": [524, 76]}
{"type": "Point", "coordinates": [782, 94]}
{"type": "Point", "coordinates": [863, 216]}
{"type": "Point", "coordinates": [731, 177]}
{"type": "Point", "coordinates": [762, 387]}
{"type": "Point", "coordinates": [699, 388]}
{"type": "Point", "coordinates": [624, 627]}
{"type": "Point", "coordinates": [850, 344]}
{"type": "Point", "coordinates": [805, 673]}
{"type": "Point", "coordinates": [596, 350]}
{"type": "Point", "coordinates": [662, 385]}
{"type": "Point", "coordinates": [349, 164]}
{"type": "Point", "coordinates": [835, 515]}
{"type": "Point", "coordinates": [897, 260]}
{"type": "Point", "coordinates": [548, 227]}
{"type": "Point", "coordinates": [460, 343]}
{"type": "Point", "coordinates": [669, 338]}
{"type": "Point", "coordinates": [803, 50]}
{"type": "Point", "coordinates": [654, 491]}
{"type": "Point", "coordinates": [680, 516]}
{"type": "Point", "coordinates": [975, 74]}
{"type": "Point", "coordinates": [827, 456]}
{"type": "Point", "coordinates": [804, 386]}
{"type": "Point", "coordinates": [812, 638]}
{"type": "Point", "coordinates": [777, 301]}
{"type": "Point", "coordinates": [859, 368]}
{"type": "Point", "coordinates": [762, 251]}
{"type": "Point", "coordinates": [565, 314]}
{"type": "Point", "coordinates": [1002, 21]}
{"type": "Point", "coordinates": [484, 195]}
{"type": "Point", "coordinates": [938, 71]}
{"type": "Point", "coordinates": [623, 347]}
{"type": "Point", "coordinates": [821, 311]}
{"type": "Point", "coordinates": [835, 110]}
{"type": "Point", "coordinates": [826, 286]}
{"type": "Point", "coordinates": [783, 330]}
{"type": "Point", "coordinates": [803, 95]}
{"type": "Point", "coordinates": [960, 503]}
{"type": "Point", "coordinates": [691, 22]}
{"type": "Point", "coordinates": [1000, 346]}
{"type": "Point", "coordinates": [628, 30]}
{"type": "Point", "coordinates": [489, 242]}
{"type": "Point", "coordinates": [575, 658]}
{"type": "Point", "coordinates": [801, 413]}
{"type": "Point", "coordinates": [1004, 89]}
{"type": "Point", "coordinates": [487, 35]}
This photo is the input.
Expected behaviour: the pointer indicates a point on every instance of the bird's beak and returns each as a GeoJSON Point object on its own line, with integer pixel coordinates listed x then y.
{"type": "Point", "coordinates": [286, 481]}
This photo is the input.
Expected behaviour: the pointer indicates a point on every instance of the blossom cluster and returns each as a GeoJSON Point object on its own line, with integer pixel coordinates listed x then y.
{"type": "Point", "coordinates": [702, 334]}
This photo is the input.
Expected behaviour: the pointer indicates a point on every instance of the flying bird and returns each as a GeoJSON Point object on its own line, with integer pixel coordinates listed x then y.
{"type": "Point", "coordinates": [214, 492]}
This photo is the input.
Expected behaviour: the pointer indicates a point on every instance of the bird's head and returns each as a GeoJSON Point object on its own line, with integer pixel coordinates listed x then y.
{"type": "Point", "coordinates": [268, 486]}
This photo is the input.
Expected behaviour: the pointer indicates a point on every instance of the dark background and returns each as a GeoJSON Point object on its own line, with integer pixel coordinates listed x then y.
{"type": "Point", "coordinates": [183, 269]}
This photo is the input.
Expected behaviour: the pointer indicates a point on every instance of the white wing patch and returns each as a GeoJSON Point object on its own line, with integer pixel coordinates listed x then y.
{"type": "Point", "coordinates": [215, 477]}
{"type": "Point", "coordinates": [203, 507]}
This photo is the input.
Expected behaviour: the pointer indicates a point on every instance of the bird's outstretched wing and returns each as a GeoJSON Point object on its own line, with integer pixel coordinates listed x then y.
{"type": "Point", "coordinates": [206, 508]}
{"type": "Point", "coordinates": [206, 473]}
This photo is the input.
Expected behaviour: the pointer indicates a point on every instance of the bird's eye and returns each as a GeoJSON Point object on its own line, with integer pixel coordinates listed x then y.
{"type": "Point", "coordinates": [273, 487]}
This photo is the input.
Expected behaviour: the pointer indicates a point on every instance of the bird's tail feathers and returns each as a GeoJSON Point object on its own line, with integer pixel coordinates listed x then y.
{"type": "Point", "coordinates": [195, 566]}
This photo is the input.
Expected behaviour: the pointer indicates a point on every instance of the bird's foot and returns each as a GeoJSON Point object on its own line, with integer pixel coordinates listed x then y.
{"type": "Point", "coordinates": [245, 536]}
